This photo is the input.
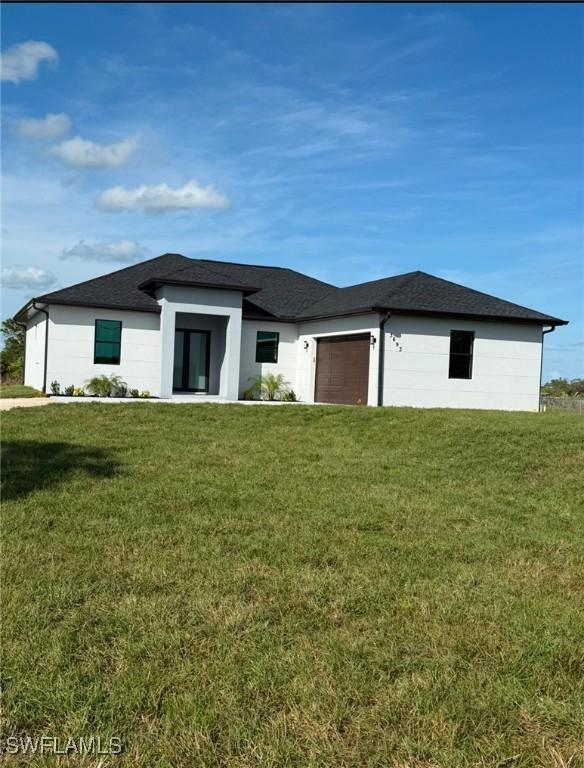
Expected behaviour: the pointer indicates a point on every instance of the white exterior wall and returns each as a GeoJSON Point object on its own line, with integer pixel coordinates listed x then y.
{"type": "Point", "coordinates": [34, 360]}
{"type": "Point", "coordinates": [505, 372]}
{"type": "Point", "coordinates": [71, 347]}
{"type": "Point", "coordinates": [216, 326]}
{"type": "Point", "coordinates": [337, 326]}
{"type": "Point", "coordinates": [287, 353]}
{"type": "Point", "coordinates": [505, 368]}
{"type": "Point", "coordinates": [201, 301]}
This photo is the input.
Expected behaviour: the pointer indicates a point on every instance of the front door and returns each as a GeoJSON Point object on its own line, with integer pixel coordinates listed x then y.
{"type": "Point", "coordinates": [191, 360]}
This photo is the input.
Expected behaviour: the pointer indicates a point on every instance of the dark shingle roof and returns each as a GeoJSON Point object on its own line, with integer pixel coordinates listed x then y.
{"type": "Point", "coordinates": [119, 289]}
{"type": "Point", "coordinates": [282, 292]}
{"type": "Point", "coordinates": [285, 294]}
{"type": "Point", "coordinates": [357, 298]}
{"type": "Point", "coordinates": [421, 293]}
{"type": "Point", "coordinates": [426, 293]}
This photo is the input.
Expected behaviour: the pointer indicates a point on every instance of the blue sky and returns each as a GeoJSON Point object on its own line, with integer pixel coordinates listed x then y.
{"type": "Point", "coordinates": [349, 142]}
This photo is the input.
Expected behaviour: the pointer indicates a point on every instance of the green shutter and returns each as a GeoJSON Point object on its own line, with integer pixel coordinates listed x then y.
{"type": "Point", "coordinates": [267, 347]}
{"type": "Point", "coordinates": [108, 342]}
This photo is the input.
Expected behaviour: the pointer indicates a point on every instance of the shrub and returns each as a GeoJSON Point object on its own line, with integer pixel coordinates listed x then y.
{"type": "Point", "coordinates": [78, 392]}
{"type": "Point", "coordinates": [134, 393]}
{"type": "Point", "coordinates": [55, 388]}
{"type": "Point", "coordinates": [121, 390]}
{"type": "Point", "coordinates": [290, 396]}
{"type": "Point", "coordinates": [248, 394]}
{"type": "Point", "coordinates": [269, 386]}
{"type": "Point", "coordinates": [145, 393]}
{"type": "Point", "coordinates": [70, 390]}
{"type": "Point", "coordinates": [104, 386]}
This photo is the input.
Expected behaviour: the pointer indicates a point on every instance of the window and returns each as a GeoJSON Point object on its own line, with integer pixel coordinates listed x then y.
{"type": "Point", "coordinates": [461, 344]}
{"type": "Point", "coordinates": [267, 347]}
{"type": "Point", "coordinates": [108, 340]}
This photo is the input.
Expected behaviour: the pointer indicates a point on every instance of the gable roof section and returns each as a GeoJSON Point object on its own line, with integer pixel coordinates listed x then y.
{"type": "Point", "coordinates": [194, 273]}
{"type": "Point", "coordinates": [119, 289]}
{"type": "Point", "coordinates": [434, 295]}
{"type": "Point", "coordinates": [421, 293]}
{"type": "Point", "coordinates": [284, 294]}
{"type": "Point", "coordinates": [363, 297]}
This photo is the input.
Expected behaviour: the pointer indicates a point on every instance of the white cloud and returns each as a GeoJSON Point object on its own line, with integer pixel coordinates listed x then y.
{"type": "Point", "coordinates": [159, 198]}
{"type": "Point", "coordinates": [21, 62]}
{"type": "Point", "coordinates": [26, 277]}
{"type": "Point", "coordinates": [49, 127]}
{"type": "Point", "coordinates": [81, 153]}
{"type": "Point", "coordinates": [122, 251]}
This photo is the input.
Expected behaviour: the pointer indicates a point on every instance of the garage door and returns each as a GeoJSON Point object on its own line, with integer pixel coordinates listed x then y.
{"type": "Point", "coordinates": [342, 369]}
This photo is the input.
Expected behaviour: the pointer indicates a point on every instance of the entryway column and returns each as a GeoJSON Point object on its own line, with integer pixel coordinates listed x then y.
{"type": "Point", "coordinates": [167, 326]}
{"type": "Point", "coordinates": [229, 380]}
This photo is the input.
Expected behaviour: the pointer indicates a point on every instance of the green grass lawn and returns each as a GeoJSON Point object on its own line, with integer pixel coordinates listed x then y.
{"type": "Point", "coordinates": [18, 390]}
{"type": "Point", "coordinates": [295, 586]}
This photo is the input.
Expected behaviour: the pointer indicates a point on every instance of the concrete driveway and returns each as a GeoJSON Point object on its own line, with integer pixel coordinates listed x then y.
{"type": "Point", "coordinates": [22, 402]}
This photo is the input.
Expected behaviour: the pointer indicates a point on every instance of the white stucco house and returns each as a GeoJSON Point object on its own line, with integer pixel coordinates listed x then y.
{"type": "Point", "coordinates": [177, 325]}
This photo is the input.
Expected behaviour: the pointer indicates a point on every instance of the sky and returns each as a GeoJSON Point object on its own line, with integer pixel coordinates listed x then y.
{"type": "Point", "coordinates": [349, 142]}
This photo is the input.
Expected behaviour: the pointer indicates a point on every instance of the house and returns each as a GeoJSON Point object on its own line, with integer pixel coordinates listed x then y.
{"type": "Point", "coordinates": [179, 325]}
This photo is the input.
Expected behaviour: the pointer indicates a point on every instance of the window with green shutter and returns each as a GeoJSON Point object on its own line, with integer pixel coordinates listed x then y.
{"type": "Point", "coordinates": [108, 342]}
{"type": "Point", "coordinates": [267, 347]}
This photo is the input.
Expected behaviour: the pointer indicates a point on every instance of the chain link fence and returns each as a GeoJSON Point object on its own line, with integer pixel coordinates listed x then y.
{"type": "Point", "coordinates": [567, 404]}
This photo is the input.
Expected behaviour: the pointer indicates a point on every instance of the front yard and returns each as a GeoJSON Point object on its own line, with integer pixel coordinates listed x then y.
{"type": "Point", "coordinates": [18, 390]}
{"type": "Point", "coordinates": [295, 586]}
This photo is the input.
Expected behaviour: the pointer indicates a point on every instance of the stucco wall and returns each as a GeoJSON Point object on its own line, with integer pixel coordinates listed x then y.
{"type": "Point", "coordinates": [306, 358]}
{"type": "Point", "coordinates": [506, 359]}
{"type": "Point", "coordinates": [35, 351]}
{"type": "Point", "coordinates": [204, 301]}
{"type": "Point", "coordinates": [287, 353]}
{"type": "Point", "coordinates": [505, 371]}
{"type": "Point", "coordinates": [217, 327]}
{"type": "Point", "coordinates": [71, 347]}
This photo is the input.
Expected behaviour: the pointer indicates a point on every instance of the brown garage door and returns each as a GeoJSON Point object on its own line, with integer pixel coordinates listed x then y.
{"type": "Point", "coordinates": [342, 369]}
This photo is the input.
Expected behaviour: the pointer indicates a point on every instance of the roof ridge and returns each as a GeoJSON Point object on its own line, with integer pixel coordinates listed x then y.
{"type": "Point", "coordinates": [238, 263]}
{"type": "Point", "coordinates": [411, 277]}
{"type": "Point", "coordinates": [381, 279]}
{"type": "Point", "coordinates": [189, 266]}
{"type": "Point", "coordinates": [482, 293]}
{"type": "Point", "coordinates": [265, 266]}
{"type": "Point", "coordinates": [109, 274]}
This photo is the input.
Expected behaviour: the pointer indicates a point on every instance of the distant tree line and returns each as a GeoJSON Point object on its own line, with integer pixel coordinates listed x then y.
{"type": "Point", "coordinates": [564, 388]}
{"type": "Point", "coordinates": [12, 354]}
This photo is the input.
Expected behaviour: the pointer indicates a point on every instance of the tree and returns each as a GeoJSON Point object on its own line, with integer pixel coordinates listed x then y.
{"type": "Point", "coordinates": [12, 354]}
{"type": "Point", "coordinates": [564, 388]}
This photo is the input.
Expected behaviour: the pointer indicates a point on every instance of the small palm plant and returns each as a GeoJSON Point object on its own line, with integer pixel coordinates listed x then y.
{"type": "Point", "coordinates": [105, 386]}
{"type": "Point", "coordinates": [270, 386]}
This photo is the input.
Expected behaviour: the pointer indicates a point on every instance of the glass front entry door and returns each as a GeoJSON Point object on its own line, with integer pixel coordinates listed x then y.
{"type": "Point", "coordinates": [191, 361]}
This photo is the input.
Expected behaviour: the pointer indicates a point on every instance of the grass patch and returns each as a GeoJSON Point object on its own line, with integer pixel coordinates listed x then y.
{"type": "Point", "coordinates": [307, 586]}
{"type": "Point", "coordinates": [18, 390]}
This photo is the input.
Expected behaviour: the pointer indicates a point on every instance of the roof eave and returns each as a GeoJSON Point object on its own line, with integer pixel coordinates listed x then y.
{"type": "Point", "coordinates": [158, 283]}
{"type": "Point", "coordinates": [22, 314]}
{"type": "Point", "coordinates": [95, 304]}
{"type": "Point", "coordinates": [328, 315]}
{"type": "Point", "coordinates": [555, 321]}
